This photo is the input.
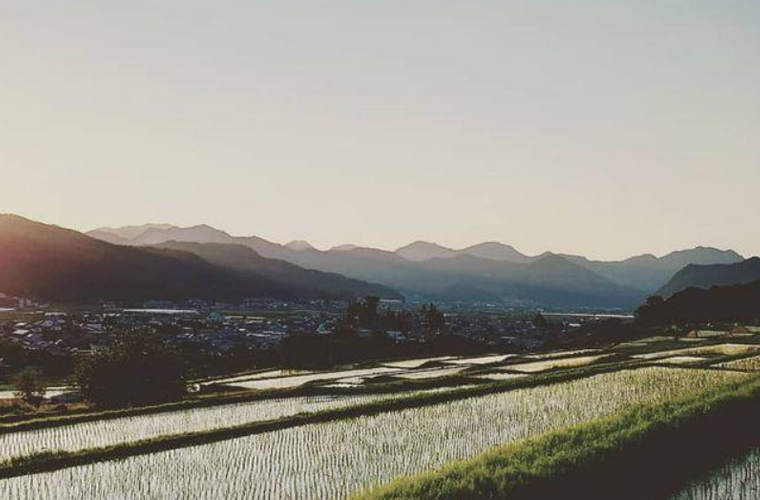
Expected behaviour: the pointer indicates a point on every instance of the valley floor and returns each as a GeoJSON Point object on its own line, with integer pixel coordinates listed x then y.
{"type": "Point", "coordinates": [443, 424]}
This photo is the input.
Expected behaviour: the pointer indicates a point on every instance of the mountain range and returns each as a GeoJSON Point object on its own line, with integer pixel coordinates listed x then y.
{"type": "Point", "coordinates": [649, 273]}
{"type": "Point", "coordinates": [161, 261]}
{"type": "Point", "coordinates": [488, 271]}
{"type": "Point", "coordinates": [707, 276]}
{"type": "Point", "coordinates": [47, 262]}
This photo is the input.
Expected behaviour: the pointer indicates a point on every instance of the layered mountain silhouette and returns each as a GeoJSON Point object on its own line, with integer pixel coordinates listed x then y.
{"type": "Point", "coordinates": [245, 260]}
{"type": "Point", "coordinates": [51, 263]}
{"type": "Point", "coordinates": [420, 251]}
{"type": "Point", "coordinates": [649, 273]}
{"type": "Point", "coordinates": [707, 276]}
{"type": "Point", "coordinates": [488, 271]}
{"type": "Point", "coordinates": [125, 234]}
{"type": "Point", "coordinates": [299, 245]}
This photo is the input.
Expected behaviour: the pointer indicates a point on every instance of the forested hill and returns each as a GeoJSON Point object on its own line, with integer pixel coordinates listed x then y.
{"type": "Point", "coordinates": [50, 263]}
{"type": "Point", "coordinates": [720, 303]}
{"type": "Point", "coordinates": [711, 275]}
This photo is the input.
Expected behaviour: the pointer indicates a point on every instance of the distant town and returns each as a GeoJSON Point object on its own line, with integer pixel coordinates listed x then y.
{"type": "Point", "coordinates": [259, 328]}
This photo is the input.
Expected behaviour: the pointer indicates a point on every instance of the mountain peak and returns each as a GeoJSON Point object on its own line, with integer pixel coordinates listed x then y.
{"type": "Point", "coordinates": [128, 232]}
{"type": "Point", "coordinates": [300, 245]}
{"type": "Point", "coordinates": [346, 247]}
{"type": "Point", "coordinates": [50, 263]}
{"type": "Point", "coordinates": [550, 257]}
{"type": "Point", "coordinates": [494, 250]}
{"type": "Point", "coordinates": [423, 250]}
{"type": "Point", "coordinates": [701, 255]}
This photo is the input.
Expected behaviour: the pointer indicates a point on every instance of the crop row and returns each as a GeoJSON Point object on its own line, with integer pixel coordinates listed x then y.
{"type": "Point", "coordinates": [338, 458]}
{"type": "Point", "coordinates": [99, 433]}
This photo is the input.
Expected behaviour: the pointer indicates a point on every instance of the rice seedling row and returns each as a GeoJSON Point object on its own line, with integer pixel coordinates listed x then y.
{"type": "Point", "coordinates": [749, 364]}
{"type": "Point", "coordinates": [718, 349]}
{"type": "Point", "coordinates": [338, 458]}
{"type": "Point", "coordinates": [550, 364]}
{"type": "Point", "coordinates": [682, 360]}
{"type": "Point", "coordinates": [100, 433]}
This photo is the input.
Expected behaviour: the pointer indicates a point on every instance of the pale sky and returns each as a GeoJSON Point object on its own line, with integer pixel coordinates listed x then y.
{"type": "Point", "coordinates": [606, 128]}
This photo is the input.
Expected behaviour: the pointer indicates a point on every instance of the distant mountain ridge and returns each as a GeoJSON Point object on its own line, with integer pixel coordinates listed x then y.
{"type": "Point", "coordinates": [644, 274]}
{"type": "Point", "coordinates": [489, 271]}
{"type": "Point", "coordinates": [131, 232]}
{"type": "Point", "coordinates": [244, 259]}
{"type": "Point", "coordinates": [299, 245]}
{"type": "Point", "coordinates": [421, 251]}
{"type": "Point", "coordinates": [649, 273]}
{"type": "Point", "coordinates": [50, 263]}
{"type": "Point", "coordinates": [707, 276]}
{"type": "Point", "coordinates": [494, 250]}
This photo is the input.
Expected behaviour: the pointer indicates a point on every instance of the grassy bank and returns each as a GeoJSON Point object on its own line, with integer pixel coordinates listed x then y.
{"type": "Point", "coordinates": [648, 452]}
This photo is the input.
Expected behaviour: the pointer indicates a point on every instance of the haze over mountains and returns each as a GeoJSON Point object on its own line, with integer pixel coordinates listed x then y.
{"type": "Point", "coordinates": [160, 261]}
{"type": "Point", "coordinates": [648, 273]}
{"type": "Point", "coordinates": [486, 271]}
{"type": "Point", "coordinates": [421, 251]}
{"type": "Point", "coordinates": [50, 263]}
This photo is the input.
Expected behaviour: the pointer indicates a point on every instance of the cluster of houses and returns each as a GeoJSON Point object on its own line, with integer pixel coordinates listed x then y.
{"type": "Point", "coordinates": [263, 324]}
{"type": "Point", "coordinates": [63, 333]}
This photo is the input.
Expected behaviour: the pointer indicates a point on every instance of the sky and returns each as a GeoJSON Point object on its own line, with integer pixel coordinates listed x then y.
{"type": "Point", "coordinates": [604, 128]}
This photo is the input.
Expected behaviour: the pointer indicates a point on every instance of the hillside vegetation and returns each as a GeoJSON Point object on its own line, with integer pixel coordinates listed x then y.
{"type": "Point", "coordinates": [707, 276]}
{"type": "Point", "coordinates": [49, 263]}
{"type": "Point", "coordinates": [737, 303]}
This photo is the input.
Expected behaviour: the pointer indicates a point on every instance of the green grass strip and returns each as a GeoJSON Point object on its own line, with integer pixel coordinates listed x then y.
{"type": "Point", "coordinates": [648, 452]}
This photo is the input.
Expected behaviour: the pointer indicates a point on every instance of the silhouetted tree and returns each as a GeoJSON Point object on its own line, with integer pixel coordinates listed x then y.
{"type": "Point", "coordinates": [649, 312]}
{"type": "Point", "coordinates": [137, 369]}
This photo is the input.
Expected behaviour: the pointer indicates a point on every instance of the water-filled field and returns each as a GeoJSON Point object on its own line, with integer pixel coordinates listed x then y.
{"type": "Point", "coordinates": [738, 480]}
{"type": "Point", "coordinates": [552, 363]}
{"type": "Point", "coordinates": [299, 380]}
{"type": "Point", "coordinates": [337, 458]}
{"type": "Point", "coordinates": [127, 429]}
